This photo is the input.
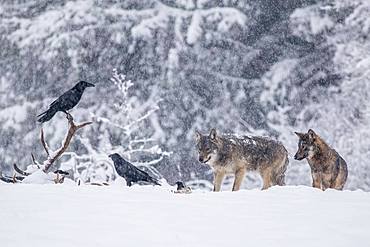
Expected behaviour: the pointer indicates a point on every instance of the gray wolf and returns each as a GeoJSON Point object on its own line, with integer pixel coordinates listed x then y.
{"type": "Point", "coordinates": [328, 168]}
{"type": "Point", "coordinates": [230, 154]}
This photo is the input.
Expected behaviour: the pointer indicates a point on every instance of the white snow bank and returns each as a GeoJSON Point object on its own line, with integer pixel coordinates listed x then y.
{"type": "Point", "coordinates": [40, 177]}
{"type": "Point", "coordinates": [61, 215]}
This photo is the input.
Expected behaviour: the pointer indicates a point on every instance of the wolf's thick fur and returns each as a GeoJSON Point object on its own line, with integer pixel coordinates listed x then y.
{"type": "Point", "coordinates": [328, 168]}
{"type": "Point", "coordinates": [237, 155]}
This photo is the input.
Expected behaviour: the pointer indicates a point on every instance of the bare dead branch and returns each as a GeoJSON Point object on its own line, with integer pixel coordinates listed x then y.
{"type": "Point", "coordinates": [20, 171]}
{"type": "Point", "coordinates": [14, 178]}
{"type": "Point", "coordinates": [11, 179]}
{"type": "Point", "coordinates": [44, 143]}
{"type": "Point", "coordinates": [98, 184]}
{"type": "Point", "coordinates": [83, 125]}
{"type": "Point", "coordinates": [6, 179]}
{"type": "Point", "coordinates": [72, 128]}
{"type": "Point", "coordinates": [34, 161]}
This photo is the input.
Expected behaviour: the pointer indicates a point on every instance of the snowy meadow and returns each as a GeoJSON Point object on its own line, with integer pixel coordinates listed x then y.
{"type": "Point", "coordinates": [45, 215]}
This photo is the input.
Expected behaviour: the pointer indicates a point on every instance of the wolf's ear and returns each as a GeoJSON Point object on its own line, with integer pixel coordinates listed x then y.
{"type": "Point", "coordinates": [213, 134]}
{"type": "Point", "coordinates": [198, 135]}
{"type": "Point", "coordinates": [311, 134]}
{"type": "Point", "coordinates": [300, 135]}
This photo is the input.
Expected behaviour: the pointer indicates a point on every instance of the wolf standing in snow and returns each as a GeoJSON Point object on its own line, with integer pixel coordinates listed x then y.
{"type": "Point", "coordinates": [237, 155]}
{"type": "Point", "coordinates": [328, 168]}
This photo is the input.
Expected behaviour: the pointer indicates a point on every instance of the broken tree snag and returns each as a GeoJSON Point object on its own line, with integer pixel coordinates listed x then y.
{"type": "Point", "coordinates": [52, 156]}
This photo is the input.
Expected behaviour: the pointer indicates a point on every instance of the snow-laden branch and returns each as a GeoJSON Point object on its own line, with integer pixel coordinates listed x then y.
{"type": "Point", "coordinates": [142, 118]}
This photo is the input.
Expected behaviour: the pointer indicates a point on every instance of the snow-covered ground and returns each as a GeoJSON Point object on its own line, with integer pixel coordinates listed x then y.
{"type": "Point", "coordinates": [64, 215]}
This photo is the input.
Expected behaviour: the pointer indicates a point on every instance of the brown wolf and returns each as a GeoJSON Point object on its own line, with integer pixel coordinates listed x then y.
{"type": "Point", "coordinates": [237, 155]}
{"type": "Point", "coordinates": [328, 168]}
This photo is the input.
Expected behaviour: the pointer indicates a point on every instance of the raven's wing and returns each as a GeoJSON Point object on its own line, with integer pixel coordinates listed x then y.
{"type": "Point", "coordinates": [145, 176]}
{"type": "Point", "coordinates": [62, 98]}
{"type": "Point", "coordinates": [127, 171]}
{"type": "Point", "coordinates": [141, 172]}
{"type": "Point", "coordinates": [54, 102]}
{"type": "Point", "coordinates": [65, 96]}
{"type": "Point", "coordinates": [132, 173]}
{"type": "Point", "coordinates": [120, 169]}
{"type": "Point", "coordinates": [52, 106]}
{"type": "Point", "coordinates": [67, 100]}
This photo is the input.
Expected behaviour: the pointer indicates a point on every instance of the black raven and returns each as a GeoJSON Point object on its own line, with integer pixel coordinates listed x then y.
{"type": "Point", "coordinates": [129, 172]}
{"type": "Point", "coordinates": [65, 102]}
{"type": "Point", "coordinates": [182, 189]}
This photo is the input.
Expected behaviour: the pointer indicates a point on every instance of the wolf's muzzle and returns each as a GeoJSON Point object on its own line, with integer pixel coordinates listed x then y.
{"type": "Point", "coordinates": [298, 158]}
{"type": "Point", "coordinates": [204, 161]}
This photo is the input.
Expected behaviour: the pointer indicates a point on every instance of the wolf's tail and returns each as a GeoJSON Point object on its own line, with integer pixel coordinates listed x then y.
{"type": "Point", "coordinates": [280, 173]}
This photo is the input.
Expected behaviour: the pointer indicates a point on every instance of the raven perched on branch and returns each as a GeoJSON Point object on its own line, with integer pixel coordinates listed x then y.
{"type": "Point", "coordinates": [129, 172]}
{"type": "Point", "coordinates": [65, 102]}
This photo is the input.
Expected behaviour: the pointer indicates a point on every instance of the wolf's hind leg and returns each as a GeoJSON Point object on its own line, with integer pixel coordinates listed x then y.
{"type": "Point", "coordinates": [239, 176]}
{"type": "Point", "coordinates": [267, 179]}
{"type": "Point", "coordinates": [341, 179]}
{"type": "Point", "coordinates": [327, 181]}
{"type": "Point", "coordinates": [218, 177]}
{"type": "Point", "coordinates": [339, 183]}
{"type": "Point", "coordinates": [279, 173]}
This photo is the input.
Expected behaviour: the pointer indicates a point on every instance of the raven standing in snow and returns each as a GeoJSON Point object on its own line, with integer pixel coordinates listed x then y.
{"type": "Point", "coordinates": [129, 172]}
{"type": "Point", "coordinates": [65, 102]}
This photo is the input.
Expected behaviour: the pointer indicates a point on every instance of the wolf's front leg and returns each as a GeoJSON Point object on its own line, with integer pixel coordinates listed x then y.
{"type": "Point", "coordinates": [239, 176]}
{"type": "Point", "coordinates": [218, 177]}
{"type": "Point", "coordinates": [316, 180]}
{"type": "Point", "coordinates": [326, 180]}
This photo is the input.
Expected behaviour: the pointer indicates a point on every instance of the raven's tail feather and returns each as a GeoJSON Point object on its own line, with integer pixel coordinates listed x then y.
{"type": "Point", "coordinates": [46, 116]}
{"type": "Point", "coordinates": [42, 113]}
{"type": "Point", "coordinates": [155, 182]}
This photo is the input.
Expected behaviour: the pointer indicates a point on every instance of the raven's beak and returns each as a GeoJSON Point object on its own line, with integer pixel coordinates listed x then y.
{"type": "Point", "coordinates": [110, 156]}
{"type": "Point", "coordinates": [90, 84]}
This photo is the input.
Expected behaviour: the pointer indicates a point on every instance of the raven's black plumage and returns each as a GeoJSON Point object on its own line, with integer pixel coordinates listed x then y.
{"type": "Point", "coordinates": [181, 188]}
{"type": "Point", "coordinates": [180, 185]}
{"type": "Point", "coordinates": [65, 102]}
{"type": "Point", "coordinates": [129, 172]}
